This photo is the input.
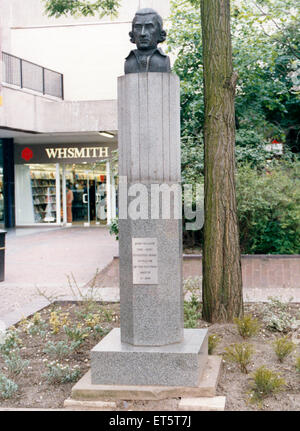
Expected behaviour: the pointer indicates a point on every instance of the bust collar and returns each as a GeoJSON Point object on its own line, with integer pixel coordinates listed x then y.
{"type": "Point", "coordinates": [136, 52]}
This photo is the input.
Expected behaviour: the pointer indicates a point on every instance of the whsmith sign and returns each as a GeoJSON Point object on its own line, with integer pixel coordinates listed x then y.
{"type": "Point", "coordinates": [62, 153]}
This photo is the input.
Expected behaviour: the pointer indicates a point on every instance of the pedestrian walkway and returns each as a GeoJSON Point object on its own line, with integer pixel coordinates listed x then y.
{"type": "Point", "coordinates": [43, 258]}
{"type": "Point", "coordinates": [40, 260]}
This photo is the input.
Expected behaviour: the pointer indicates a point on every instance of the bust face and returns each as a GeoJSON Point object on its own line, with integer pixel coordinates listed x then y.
{"type": "Point", "coordinates": [146, 31]}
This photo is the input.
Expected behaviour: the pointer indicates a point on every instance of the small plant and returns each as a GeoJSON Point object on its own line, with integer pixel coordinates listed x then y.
{"type": "Point", "coordinates": [92, 320]}
{"type": "Point", "coordinates": [15, 364]}
{"type": "Point", "coordinates": [213, 341]}
{"type": "Point", "coordinates": [7, 387]}
{"type": "Point", "coordinates": [57, 321]}
{"type": "Point", "coordinates": [283, 347]}
{"type": "Point", "coordinates": [93, 323]}
{"type": "Point", "coordinates": [35, 326]}
{"type": "Point", "coordinates": [2, 332]}
{"type": "Point", "coordinates": [241, 354]}
{"type": "Point", "coordinates": [106, 315]}
{"type": "Point", "coordinates": [11, 341]}
{"type": "Point", "coordinates": [58, 350]}
{"type": "Point", "coordinates": [192, 288]}
{"type": "Point", "coordinates": [59, 373]}
{"type": "Point", "coordinates": [89, 298]}
{"type": "Point", "coordinates": [192, 304]}
{"type": "Point", "coordinates": [37, 319]}
{"type": "Point", "coordinates": [247, 326]}
{"type": "Point", "coordinates": [277, 316]}
{"type": "Point", "coordinates": [191, 313]}
{"type": "Point", "coordinates": [297, 364]}
{"type": "Point", "coordinates": [77, 334]}
{"type": "Point", "coordinates": [265, 382]}
{"type": "Point", "coordinates": [114, 228]}
{"type": "Point", "coordinates": [51, 298]}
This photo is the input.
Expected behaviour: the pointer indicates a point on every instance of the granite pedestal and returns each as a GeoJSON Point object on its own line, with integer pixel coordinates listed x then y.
{"type": "Point", "coordinates": [151, 313]}
{"type": "Point", "coordinates": [179, 364]}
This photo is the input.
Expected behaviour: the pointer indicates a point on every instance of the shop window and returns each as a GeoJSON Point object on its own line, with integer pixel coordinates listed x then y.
{"type": "Point", "coordinates": [35, 194]}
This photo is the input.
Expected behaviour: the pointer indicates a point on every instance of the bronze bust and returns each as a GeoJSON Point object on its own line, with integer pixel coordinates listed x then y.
{"type": "Point", "coordinates": [147, 32]}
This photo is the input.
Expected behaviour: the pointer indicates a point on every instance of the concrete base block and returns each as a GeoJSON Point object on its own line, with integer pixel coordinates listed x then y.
{"type": "Point", "coordinates": [92, 405]}
{"type": "Point", "coordinates": [178, 364]}
{"type": "Point", "coordinates": [85, 390]}
{"type": "Point", "coordinates": [213, 404]}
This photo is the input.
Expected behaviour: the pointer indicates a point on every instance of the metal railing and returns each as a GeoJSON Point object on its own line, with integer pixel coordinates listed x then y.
{"type": "Point", "coordinates": [25, 74]}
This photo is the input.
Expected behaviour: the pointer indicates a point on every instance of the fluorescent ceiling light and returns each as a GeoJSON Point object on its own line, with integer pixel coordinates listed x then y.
{"type": "Point", "coordinates": [107, 135]}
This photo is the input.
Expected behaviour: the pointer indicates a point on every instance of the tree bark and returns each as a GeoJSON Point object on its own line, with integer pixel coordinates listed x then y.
{"type": "Point", "coordinates": [222, 278]}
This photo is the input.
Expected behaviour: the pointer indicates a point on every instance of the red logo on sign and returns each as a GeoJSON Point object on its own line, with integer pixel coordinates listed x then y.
{"type": "Point", "coordinates": [27, 154]}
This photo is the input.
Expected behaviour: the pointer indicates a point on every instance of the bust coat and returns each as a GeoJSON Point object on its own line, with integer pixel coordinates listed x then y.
{"type": "Point", "coordinates": [157, 61]}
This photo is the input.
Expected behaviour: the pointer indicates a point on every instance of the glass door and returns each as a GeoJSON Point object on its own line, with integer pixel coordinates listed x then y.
{"type": "Point", "coordinates": [80, 204]}
{"type": "Point", "coordinates": [84, 195]}
{"type": "Point", "coordinates": [74, 197]}
{"type": "Point", "coordinates": [99, 178]}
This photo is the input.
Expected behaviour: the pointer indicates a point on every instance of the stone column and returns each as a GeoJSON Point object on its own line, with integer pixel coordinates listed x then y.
{"type": "Point", "coordinates": [64, 194]}
{"type": "Point", "coordinates": [57, 192]}
{"type": "Point", "coordinates": [108, 193]}
{"type": "Point", "coordinates": [149, 153]}
{"type": "Point", "coordinates": [113, 197]}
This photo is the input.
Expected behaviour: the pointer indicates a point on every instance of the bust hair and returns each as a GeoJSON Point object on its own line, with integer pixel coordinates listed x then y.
{"type": "Point", "coordinates": [158, 19]}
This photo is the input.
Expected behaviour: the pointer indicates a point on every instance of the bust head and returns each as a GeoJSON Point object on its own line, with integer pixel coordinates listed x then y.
{"type": "Point", "coordinates": [147, 29]}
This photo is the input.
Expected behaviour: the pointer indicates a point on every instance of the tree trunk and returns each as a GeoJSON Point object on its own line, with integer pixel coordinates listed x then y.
{"type": "Point", "coordinates": [222, 278]}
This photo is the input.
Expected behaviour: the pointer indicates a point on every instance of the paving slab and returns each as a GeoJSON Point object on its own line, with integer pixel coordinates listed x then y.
{"type": "Point", "coordinates": [203, 404]}
{"type": "Point", "coordinates": [93, 405]}
{"type": "Point", "coordinates": [38, 259]}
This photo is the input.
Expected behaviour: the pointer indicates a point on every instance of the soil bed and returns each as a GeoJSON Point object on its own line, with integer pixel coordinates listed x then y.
{"type": "Point", "coordinates": [36, 391]}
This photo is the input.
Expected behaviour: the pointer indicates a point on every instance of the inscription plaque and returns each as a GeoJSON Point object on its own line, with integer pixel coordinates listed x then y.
{"type": "Point", "coordinates": [144, 261]}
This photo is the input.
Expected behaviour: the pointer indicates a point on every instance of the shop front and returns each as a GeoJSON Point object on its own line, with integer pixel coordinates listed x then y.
{"type": "Point", "coordinates": [61, 184]}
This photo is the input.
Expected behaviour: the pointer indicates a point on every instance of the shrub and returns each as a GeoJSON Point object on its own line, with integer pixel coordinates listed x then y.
{"type": "Point", "coordinates": [241, 354]}
{"type": "Point", "coordinates": [269, 209]}
{"type": "Point", "coordinates": [213, 341]}
{"type": "Point", "coordinates": [265, 382]}
{"type": "Point", "coordinates": [297, 364]}
{"type": "Point", "coordinates": [247, 326]}
{"type": "Point", "coordinates": [250, 148]}
{"type": "Point", "coordinates": [7, 387]}
{"type": "Point", "coordinates": [283, 347]}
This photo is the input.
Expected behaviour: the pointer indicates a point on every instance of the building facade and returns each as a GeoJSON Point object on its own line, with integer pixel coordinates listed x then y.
{"type": "Point", "coordinates": [58, 113]}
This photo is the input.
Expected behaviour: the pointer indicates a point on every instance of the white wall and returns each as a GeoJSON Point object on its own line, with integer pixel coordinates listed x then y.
{"type": "Point", "coordinates": [89, 52]}
{"type": "Point", "coordinates": [25, 111]}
